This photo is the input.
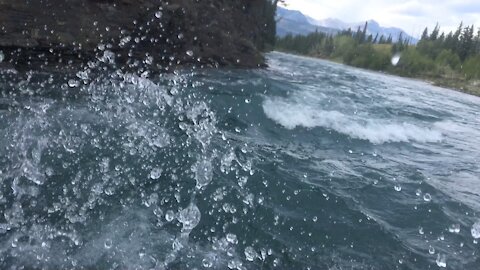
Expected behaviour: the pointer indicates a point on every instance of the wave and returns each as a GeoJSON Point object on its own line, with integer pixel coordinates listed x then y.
{"type": "Point", "coordinates": [295, 115]}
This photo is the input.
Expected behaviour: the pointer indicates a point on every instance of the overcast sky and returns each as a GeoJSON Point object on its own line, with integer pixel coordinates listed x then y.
{"type": "Point", "coordinates": [410, 15]}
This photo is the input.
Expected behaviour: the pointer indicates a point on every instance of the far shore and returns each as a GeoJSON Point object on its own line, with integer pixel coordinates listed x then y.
{"type": "Point", "coordinates": [467, 87]}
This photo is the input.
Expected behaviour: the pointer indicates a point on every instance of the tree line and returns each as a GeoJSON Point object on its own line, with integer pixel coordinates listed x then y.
{"type": "Point", "coordinates": [453, 55]}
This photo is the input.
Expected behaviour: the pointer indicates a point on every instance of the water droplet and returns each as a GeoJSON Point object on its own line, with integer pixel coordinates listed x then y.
{"type": "Point", "coordinates": [431, 250]}
{"type": "Point", "coordinates": [232, 238]}
{"type": "Point", "coordinates": [250, 254]}
{"type": "Point", "coordinates": [156, 173]}
{"type": "Point", "coordinates": [247, 100]}
{"type": "Point", "coordinates": [398, 188]}
{"type": "Point", "coordinates": [441, 260]}
{"type": "Point", "coordinates": [427, 197]}
{"type": "Point", "coordinates": [169, 215]}
{"type": "Point", "coordinates": [148, 60]}
{"type": "Point", "coordinates": [396, 58]}
{"type": "Point", "coordinates": [189, 53]}
{"type": "Point", "coordinates": [83, 75]}
{"type": "Point", "coordinates": [189, 217]}
{"type": "Point", "coordinates": [108, 243]}
{"type": "Point", "coordinates": [454, 228]}
{"type": "Point", "coordinates": [48, 171]}
{"type": "Point", "coordinates": [420, 230]}
{"type": "Point", "coordinates": [476, 230]}
{"type": "Point", "coordinates": [203, 172]}
{"type": "Point", "coordinates": [73, 83]}
{"type": "Point", "coordinates": [158, 14]}
{"type": "Point", "coordinates": [207, 263]}
{"type": "Point", "coordinates": [418, 192]}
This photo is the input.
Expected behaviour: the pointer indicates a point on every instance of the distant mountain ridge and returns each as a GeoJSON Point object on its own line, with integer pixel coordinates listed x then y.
{"type": "Point", "coordinates": [296, 23]}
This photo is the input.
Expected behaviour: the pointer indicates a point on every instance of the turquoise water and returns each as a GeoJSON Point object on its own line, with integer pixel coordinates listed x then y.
{"type": "Point", "coordinates": [304, 165]}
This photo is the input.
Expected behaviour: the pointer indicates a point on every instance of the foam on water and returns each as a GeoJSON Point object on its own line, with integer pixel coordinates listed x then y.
{"type": "Point", "coordinates": [292, 115]}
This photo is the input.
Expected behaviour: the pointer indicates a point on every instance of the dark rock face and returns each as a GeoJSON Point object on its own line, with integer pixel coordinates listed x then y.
{"type": "Point", "coordinates": [162, 34]}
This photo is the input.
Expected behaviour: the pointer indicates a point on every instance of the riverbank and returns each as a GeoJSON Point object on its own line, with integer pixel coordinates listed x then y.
{"type": "Point", "coordinates": [455, 82]}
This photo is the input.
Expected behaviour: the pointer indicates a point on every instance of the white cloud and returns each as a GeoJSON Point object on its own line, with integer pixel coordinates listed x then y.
{"type": "Point", "coordinates": [411, 15]}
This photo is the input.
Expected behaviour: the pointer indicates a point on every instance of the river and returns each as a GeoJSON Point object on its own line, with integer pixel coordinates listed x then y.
{"type": "Point", "coordinates": [307, 164]}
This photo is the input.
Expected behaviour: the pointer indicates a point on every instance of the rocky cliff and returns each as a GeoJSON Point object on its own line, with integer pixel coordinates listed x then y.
{"type": "Point", "coordinates": [161, 34]}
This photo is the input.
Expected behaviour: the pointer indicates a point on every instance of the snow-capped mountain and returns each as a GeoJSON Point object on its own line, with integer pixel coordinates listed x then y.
{"type": "Point", "coordinates": [296, 23]}
{"type": "Point", "coordinates": [373, 28]}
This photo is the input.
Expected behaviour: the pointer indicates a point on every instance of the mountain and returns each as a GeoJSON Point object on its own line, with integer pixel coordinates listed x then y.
{"type": "Point", "coordinates": [330, 22]}
{"type": "Point", "coordinates": [373, 28]}
{"type": "Point", "coordinates": [296, 23]}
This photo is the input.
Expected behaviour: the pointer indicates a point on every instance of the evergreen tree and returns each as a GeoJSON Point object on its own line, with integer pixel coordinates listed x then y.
{"type": "Point", "coordinates": [389, 39]}
{"type": "Point", "coordinates": [434, 34]}
{"type": "Point", "coordinates": [381, 40]}
{"type": "Point", "coordinates": [466, 43]}
{"type": "Point", "coordinates": [425, 35]}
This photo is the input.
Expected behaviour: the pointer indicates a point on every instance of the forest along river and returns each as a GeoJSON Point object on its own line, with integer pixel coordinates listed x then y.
{"type": "Point", "coordinates": [304, 165]}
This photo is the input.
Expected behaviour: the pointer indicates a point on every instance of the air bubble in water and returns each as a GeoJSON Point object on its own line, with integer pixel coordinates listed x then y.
{"type": "Point", "coordinates": [189, 53]}
{"type": "Point", "coordinates": [158, 14]}
{"type": "Point", "coordinates": [398, 188]}
{"type": "Point", "coordinates": [427, 197]}
{"type": "Point", "coordinates": [189, 217]}
{"type": "Point", "coordinates": [155, 173]}
{"type": "Point", "coordinates": [476, 230]}
{"type": "Point", "coordinates": [250, 254]}
{"type": "Point", "coordinates": [441, 260]}
{"type": "Point", "coordinates": [247, 100]}
{"type": "Point", "coordinates": [431, 250]}
{"type": "Point", "coordinates": [2, 56]}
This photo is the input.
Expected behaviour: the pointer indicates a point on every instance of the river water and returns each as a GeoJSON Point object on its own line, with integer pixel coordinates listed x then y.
{"type": "Point", "coordinates": [304, 165]}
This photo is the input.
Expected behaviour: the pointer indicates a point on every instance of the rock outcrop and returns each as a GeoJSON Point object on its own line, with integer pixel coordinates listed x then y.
{"type": "Point", "coordinates": [51, 33]}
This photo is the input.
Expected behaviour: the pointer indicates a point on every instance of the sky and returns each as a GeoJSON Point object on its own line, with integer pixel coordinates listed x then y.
{"type": "Point", "coordinates": [410, 15]}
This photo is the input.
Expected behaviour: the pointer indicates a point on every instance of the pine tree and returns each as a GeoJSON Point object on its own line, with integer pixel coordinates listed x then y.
{"type": "Point", "coordinates": [389, 39]}
{"type": "Point", "coordinates": [381, 40]}
{"type": "Point", "coordinates": [434, 34]}
{"type": "Point", "coordinates": [456, 39]}
{"type": "Point", "coordinates": [425, 34]}
{"type": "Point", "coordinates": [466, 43]}
{"type": "Point", "coordinates": [364, 33]}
